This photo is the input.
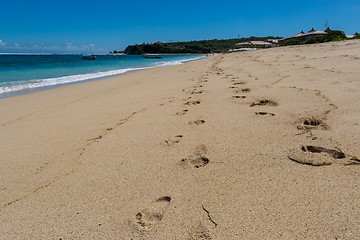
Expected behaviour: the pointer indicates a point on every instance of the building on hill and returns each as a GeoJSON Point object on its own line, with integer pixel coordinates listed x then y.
{"type": "Point", "coordinates": [274, 41]}
{"type": "Point", "coordinates": [241, 50]}
{"type": "Point", "coordinates": [309, 34]}
{"type": "Point", "coordinates": [158, 42]}
{"type": "Point", "coordinates": [257, 44]}
{"type": "Point", "coordinates": [351, 36]}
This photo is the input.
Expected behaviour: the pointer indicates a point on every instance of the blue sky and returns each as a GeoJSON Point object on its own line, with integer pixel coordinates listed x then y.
{"type": "Point", "coordinates": [90, 26]}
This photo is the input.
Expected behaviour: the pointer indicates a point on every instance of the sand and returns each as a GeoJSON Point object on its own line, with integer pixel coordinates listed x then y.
{"type": "Point", "coordinates": [250, 145]}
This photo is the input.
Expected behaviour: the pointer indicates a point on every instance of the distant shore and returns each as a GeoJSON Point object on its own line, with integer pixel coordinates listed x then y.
{"type": "Point", "coordinates": [165, 54]}
{"type": "Point", "coordinates": [175, 54]}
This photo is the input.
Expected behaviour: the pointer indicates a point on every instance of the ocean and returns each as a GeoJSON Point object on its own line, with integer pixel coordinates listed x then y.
{"type": "Point", "coordinates": [23, 73]}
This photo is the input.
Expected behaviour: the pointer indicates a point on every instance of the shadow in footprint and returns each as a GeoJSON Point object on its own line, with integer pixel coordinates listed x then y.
{"type": "Point", "coordinates": [172, 141]}
{"type": "Point", "coordinates": [315, 156]}
{"type": "Point", "coordinates": [192, 103]}
{"type": "Point", "coordinates": [311, 123]}
{"type": "Point", "coordinates": [238, 96]}
{"type": "Point", "coordinates": [239, 83]}
{"type": "Point", "coordinates": [265, 113]}
{"type": "Point", "coordinates": [197, 122]}
{"type": "Point", "coordinates": [182, 112]}
{"type": "Point", "coordinates": [243, 90]}
{"type": "Point", "coordinates": [332, 152]}
{"type": "Point", "coordinates": [198, 159]}
{"type": "Point", "coordinates": [196, 92]}
{"type": "Point", "coordinates": [149, 217]}
{"type": "Point", "coordinates": [264, 102]}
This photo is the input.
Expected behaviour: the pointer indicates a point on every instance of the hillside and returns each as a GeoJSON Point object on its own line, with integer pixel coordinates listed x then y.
{"type": "Point", "coordinates": [201, 47]}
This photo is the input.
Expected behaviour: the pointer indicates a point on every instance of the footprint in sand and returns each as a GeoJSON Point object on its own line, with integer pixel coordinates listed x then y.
{"type": "Point", "coordinates": [238, 83]}
{"type": "Point", "coordinates": [192, 103]}
{"type": "Point", "coordinates": [172, 141]}
{"type": "Point", "coordinates": [196, 92]}
{"type": "Point", "coordinates": [264, 102]}
{"type": "Point", "coordinates": [198, 158]}
{"type": "Point", "coordinates": [199, 233]}
{"type": "Point", "coordinates": [265, 113]}
{"type": "Point", "coordinates": [239, 96]}
{"type": "Point", "coordinates": [183, 112]}
{"type": "Point", "coordinates": [311, 123]}
{"type": "Point", "coordinates": [315, 156]}
{"type": "Point", "coordinates": [243, 90]}
{"type": "Point", "coordinates": [187, 98]}
{"type": "Point", "coordinates": [148, 218]}
{"type": "Point", "coordinates": [197, 122]}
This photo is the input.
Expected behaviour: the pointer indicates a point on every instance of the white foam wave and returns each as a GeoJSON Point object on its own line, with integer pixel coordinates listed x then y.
{"type": "Point", "coordinates": [48, 82]}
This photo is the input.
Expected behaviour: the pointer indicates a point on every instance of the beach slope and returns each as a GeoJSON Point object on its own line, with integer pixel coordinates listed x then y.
{"type": "Point", "coordinates": [251, 145]}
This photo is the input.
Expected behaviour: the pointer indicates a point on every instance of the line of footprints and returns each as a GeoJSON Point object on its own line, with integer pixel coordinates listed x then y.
{"type": "Point", "coordinates": [148, 218]}
{"type": "Point", "coordinates": [198, 158]}
{"type": "Point", "coordinates": [239, 89]}
{"type": "Point", "coordinates": [305, 154]}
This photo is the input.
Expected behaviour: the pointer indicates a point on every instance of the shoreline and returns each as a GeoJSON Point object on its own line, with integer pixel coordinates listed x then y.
{"type": "Point", "coordinates": [45, 88]}
{"type": "Point", "coordinates": [250, 145]}
{"type": "Point", "coordinates": [165, 54]}
{"type": "Point", "coordinates": [174, 54]}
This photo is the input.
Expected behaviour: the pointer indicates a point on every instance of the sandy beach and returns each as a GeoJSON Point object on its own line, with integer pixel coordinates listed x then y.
{"type": "Point", "coordinates": [250, 145]}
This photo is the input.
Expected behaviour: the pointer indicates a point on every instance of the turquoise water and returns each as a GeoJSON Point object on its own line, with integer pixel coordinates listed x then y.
{"type": "Point", "coordinates": [22, 72]}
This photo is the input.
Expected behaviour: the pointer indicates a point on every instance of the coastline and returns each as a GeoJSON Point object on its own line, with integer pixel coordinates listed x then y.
{"type": "Point", "coordinates": [165, 54]}
{"type": "Point", "coordinates": [168, 152]}
{"type": "Point", "coordinates": [92, 77]}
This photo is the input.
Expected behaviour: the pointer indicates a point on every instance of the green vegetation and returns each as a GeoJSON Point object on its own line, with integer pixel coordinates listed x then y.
{"type": "Point", "coordinates": [331, 36]}
{"type": "Point", "coordinates": [220, 46]}
{"type": "Point", "coordinates": [200, 47]}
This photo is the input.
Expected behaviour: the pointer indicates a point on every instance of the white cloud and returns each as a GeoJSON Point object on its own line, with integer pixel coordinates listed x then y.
{"type": "Point", "coordinates": [62, 48]}
{"type": "Point", "coordinates": [50, 47]}
{"type": "Point", "coordinates": [71, 46]}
